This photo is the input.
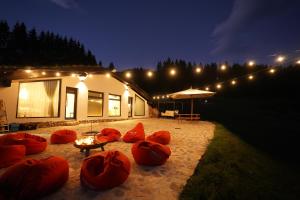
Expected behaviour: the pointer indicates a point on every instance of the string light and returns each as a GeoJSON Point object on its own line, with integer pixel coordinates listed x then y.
{"type": "Point", "coordinates": [44, 73]}
{"type": "Point", "coordinates": [57, 74]}
{"type": "Point", "coordinates": [250, 77]}
{"type": "Point", "coordinates": [172, 72]}
{"type": "Point", "coordinates": [167, 96]}
{"type": "Point", "coordinates": [149, 73]}
{"type": "Point", "coordinates": [233, 82]}
{"type": "Point", "coordinates": [163, 97]}
{"type": "Point", "coordinates": [223, 67]}
{"type": "Point", "coordinates": [157, 97]}
{"type": "Point", "coordinates": [198, 70]}
{"type": "Point", "coordinates": [251, 63]}
{"type": "Point", "coordinates": [107, 75]}
{"type": "Point", "coordinates": [154, 97]}
{"type": "Point", "coordinates": [207, 88]}
{"type": "Point", "coordinates": [272, 71]}
{"type": "Point", "coordinates": [128, 75]}
{"type": "Point", "coordinates": [219, 86]}
{"type": "Point", "coordinates": [280, 59]}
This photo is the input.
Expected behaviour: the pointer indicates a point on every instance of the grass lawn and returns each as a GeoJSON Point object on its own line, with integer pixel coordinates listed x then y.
{"type": "Point", "coordinates": [233, 169]}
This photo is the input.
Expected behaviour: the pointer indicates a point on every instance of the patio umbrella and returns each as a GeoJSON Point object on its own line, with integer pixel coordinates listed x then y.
{"type": "Point", "coordinates": [191, 94]}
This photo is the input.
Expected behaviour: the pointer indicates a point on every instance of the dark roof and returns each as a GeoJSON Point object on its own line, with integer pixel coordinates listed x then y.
{"type": "Point", "coordinates": [9, 73]}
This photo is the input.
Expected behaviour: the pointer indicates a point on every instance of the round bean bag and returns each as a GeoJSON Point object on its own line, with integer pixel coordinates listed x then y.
{"type": "Point", "coordinates": [135, 134]}
{"type": "Point", "coordinates": [161, 137]}
{"type": "Point", "coordinates": [11, 154]}
{"type": "Point", "coordinates": [150, 153]}
{"type": "Point", "coordinates": [33, 143]}
{"type": "Point", "coordinates": [32, 179]}
{"type": "Point", "coordinates": [108, 135]}
{"type": "Point", "coordinates": [104, 170]}
{"type": "Point", "coordinates": [63, 136]}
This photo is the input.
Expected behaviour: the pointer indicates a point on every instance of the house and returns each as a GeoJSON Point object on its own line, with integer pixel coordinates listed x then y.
{"type": "Point", "coordinates": [48, 95]}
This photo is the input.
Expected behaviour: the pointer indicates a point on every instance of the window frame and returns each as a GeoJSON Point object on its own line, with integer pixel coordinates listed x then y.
{"type": "Point", "coordinates": [135, 104]}
{"type": "Point", "coordinates": [59, 97]}
{"type": "Point", "coordinates": [102, 104]}
{"type": "Point", "coordinates": [114, 100]}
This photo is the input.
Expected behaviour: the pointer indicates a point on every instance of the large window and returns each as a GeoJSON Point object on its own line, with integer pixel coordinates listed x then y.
{"type": "Point", "coordinates": [39, 99]}
{"type": "Point", "coordinates": [139, 106]}
{"type": "Point", "coordinates": [95, 104]}
{"type": "Point", "coordinates": [114, 105]}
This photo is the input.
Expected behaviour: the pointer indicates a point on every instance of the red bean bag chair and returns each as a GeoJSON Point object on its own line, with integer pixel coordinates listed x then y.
{"type": "Point", "coordinates": [32, 179]}
{"type": "Point", "coordinates": [33, 143]}
{"type": "Point", "coordinates": [135, 134]}
{"type": "Point", "coordinates": [63, 136]}
{"type": "Point", "coordinates": [108, 135]}
{"type": "Point", "coordinates": [105, 170]}
{"type": "Point", "coordinates": [11, 154]}
{"type": "Point", "coordinates": [161, 137]}
{"type": "Point", "coordinates": [150, 153]}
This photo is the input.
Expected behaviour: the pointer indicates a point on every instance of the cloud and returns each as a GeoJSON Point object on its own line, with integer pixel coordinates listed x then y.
{"type": "Point", "coordinates": [229, 36]}
{"type": "Point", "coordinates": [66, 4]}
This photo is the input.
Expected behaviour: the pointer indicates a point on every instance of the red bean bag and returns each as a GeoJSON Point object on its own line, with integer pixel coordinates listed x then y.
{"type": "Point", "coordinates": [150, 153]}
{"type": "Point", "coordinates": [11, 154]}
{"type": "Point", "coordinates": [108, 135]}
{"type": "Point", "coordinates": [33, 143]}
{"type": "Point", "coordinates": [104, 170]}
{"type": "Point", "coordinates": [135, 134]}
{"type": "Point", "coordinates": [63, 136]}
{"type": "Point", "coordinates": [162, 137]}
{"type": "Point", "coordinates": [31, 179]}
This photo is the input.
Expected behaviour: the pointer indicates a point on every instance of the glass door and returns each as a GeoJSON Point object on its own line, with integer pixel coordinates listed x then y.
{"type": "Point", "coordinates": [129, 106]}
{"type": "Point", "coordinates": [71, 103]}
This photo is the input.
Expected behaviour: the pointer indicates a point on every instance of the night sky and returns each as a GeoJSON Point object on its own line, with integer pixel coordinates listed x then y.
{"type": "Point", "coordinates": [134, 33]}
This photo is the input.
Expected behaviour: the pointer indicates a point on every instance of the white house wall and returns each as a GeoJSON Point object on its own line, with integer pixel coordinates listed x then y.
{"type": "Point", "coordinates": [98, 83]}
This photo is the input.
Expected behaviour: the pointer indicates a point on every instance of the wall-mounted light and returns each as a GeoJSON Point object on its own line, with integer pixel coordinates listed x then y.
{"type": "Point", "coordinates": [82, 76]}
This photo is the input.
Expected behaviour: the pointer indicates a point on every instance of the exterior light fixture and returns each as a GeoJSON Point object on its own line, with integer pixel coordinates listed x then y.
{"type": "Point", "coordinates": [107, 75]}
{"type": "Point", "coordinates": [44, 73]}
{"type": "Point", "coordinates": [233, 82]}
{"type": "Point", "coordinates": [163, 97]}
{"type": "Point", "coordinates": [207, 88]}
{"type": "Point", "coordinates": [219, 86]}
{"type": "Point", "coordinates": [251, 63]}
{"type": "Point", "coordinates": [128, 75]}
{"type": "Point", "coordinates": [223, 67]}
{"type": "Point", "coordinates": [114, 70]}
{"type": "Point", "coordinates": [172, 72]}
{"type": "Point", "coordinates": [198, 70]}
{"type": "Point", "coordinates": [82, 76]}
{"type": "Point", "coordinates": [168, 96]}
{"type": "Point", "coordinates": [250, 77]}
{"type": "Point", "coordinates": [149, 73]}
{"type": "Point", "coordinates": [272, 71]}
{"type": "Point", "coordinates": [280, 59]}
{"type": "Point", "coordinates": [298, 62]}
{"type": "Point", "coordinates": [157, 97]}
{"type": "Point", "coordinates": [90, 75]}
{"type": "Point", "coordinates": [73, 75]}
{"type": "Point", "coordinates": [57, 74]}
{"type": "Point", "coordinates": [28, 71]}
{"type": "Point", "coordinates": [154, 97]}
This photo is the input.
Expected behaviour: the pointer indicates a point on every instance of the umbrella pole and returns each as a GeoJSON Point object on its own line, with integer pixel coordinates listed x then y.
{"type": "Point", "coordinates": [192, 107]}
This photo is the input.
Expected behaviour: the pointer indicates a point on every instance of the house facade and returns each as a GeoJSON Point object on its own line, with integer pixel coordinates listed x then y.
{"type": "Point", "coordinates": [67, 98]}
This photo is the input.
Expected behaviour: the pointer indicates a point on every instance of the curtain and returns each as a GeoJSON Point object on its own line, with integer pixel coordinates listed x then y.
{"type": "Point", "coordinates": [50, 88]}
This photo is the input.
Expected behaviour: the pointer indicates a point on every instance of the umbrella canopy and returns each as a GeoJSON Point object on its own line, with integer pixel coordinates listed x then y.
{"type": "Point", "coordinates": [191, 94]}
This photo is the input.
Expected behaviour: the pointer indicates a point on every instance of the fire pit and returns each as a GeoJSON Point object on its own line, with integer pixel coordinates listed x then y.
{"type": "Point", "coordinates": [87, 143]}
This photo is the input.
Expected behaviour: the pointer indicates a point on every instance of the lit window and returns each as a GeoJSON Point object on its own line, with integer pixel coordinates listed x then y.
{"type": "Point", "coordinates": [39, 99]}
{"type": "Point", "coordinates": [114, 105]}
{"type": "Point", "coordinates": [95, 104]}
{"type": "Point", "coordinates": [139, 106]}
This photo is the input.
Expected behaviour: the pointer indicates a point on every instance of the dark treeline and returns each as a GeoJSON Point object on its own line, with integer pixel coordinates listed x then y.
{"type": "Point", "coordinates": [20, 46]}
{"type": "Point", "coordinates": [284, 82]}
